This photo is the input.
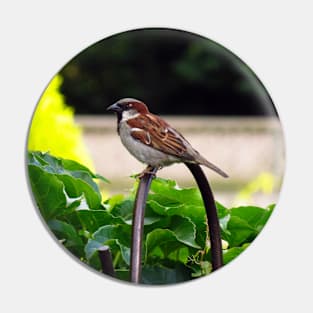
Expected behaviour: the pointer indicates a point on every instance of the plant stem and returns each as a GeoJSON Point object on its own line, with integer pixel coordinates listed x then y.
{"type": "Point", "coordinates": [116, 259]}
{"type": "Point", "coordinates": [211, 212]}
{"type": "Point", "coordinates": [138, 224]}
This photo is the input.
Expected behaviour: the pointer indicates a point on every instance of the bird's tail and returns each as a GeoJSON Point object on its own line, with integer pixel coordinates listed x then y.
{"type": "Point", "coordinates": [210, 165]}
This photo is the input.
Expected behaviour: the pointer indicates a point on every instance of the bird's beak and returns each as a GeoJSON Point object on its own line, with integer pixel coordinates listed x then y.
{"type": "Point", "coordinates": [114, 107]}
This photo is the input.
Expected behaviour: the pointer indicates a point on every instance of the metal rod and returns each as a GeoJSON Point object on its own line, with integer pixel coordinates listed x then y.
{"type": "Point", "coordinates": [106, 260]}
{"type": "Point", "coordinates": [211, 212]}
{"type": "Point", "coordinates": [138, 224]}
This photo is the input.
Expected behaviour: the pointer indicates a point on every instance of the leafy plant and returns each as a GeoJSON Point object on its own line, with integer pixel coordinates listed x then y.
{"type": "Point", "coordinates": [265, 183]}
{"type": "Point", "coordinates": [176, 244]}
{"type": "Point", "coordinates": [53, 128]}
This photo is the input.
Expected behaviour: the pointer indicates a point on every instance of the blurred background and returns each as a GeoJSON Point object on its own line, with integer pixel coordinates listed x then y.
{"type": "Point", "coordinates": [198, 86]}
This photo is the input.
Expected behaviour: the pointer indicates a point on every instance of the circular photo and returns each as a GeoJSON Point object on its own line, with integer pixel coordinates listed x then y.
{"type": "Point", "coordinates": [155, 157]}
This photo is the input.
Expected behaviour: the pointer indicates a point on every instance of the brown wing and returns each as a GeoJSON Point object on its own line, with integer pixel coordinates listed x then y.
{"type": "Point", "coordinates": [156, 133]}
{"type": "Point", "coordinates": [141, 135]}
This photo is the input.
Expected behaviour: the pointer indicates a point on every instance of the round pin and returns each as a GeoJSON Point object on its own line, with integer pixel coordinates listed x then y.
{"type": "Point", "coordinates": [155, 156]}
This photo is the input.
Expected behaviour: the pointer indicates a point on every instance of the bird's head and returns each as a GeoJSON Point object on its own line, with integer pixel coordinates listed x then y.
{"type": "Point", "coordinates": [128, 108]}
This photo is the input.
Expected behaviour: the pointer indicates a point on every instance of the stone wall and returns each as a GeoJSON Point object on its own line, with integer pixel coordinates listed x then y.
{"type": "Point", "coordinates": [242, 147]}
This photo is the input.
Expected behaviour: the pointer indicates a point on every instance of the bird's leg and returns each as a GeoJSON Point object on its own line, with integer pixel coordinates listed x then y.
{"type": "Point", "coordinates": [148, 170]}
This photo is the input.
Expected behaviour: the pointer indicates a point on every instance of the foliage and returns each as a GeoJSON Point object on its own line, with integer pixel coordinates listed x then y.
{"type": "Point", "coordinates": [176, 246]}
{"type": "Point", "coordinates": [53, 128]}
{"type": "Point", "coordinates": [264, 183]}
{"type": "Point", "coordinates": [174, 72]}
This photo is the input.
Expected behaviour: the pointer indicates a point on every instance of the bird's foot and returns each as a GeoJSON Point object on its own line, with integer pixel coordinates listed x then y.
{"type": "Point", "coordinates": [149, 170]}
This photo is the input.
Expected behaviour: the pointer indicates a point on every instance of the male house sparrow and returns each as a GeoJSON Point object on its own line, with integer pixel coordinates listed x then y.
{"type": "Point", "coordinates": [151, 140]}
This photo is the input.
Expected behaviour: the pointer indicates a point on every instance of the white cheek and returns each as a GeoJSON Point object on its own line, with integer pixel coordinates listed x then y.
{"type": "Point", "coordinates": [129, 114]}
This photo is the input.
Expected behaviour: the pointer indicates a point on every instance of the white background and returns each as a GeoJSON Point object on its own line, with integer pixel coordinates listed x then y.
{"type": "Point", "coordinates": [274, 38]}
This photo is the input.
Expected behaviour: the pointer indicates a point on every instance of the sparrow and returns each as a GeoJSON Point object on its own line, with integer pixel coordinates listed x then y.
{"type": "Point", "coordinates": [151, 140]}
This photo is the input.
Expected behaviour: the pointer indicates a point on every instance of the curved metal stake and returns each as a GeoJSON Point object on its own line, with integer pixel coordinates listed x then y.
{"type": "Point", "coordinates": [211, 212]}
{"type": "Point", "coordinates": [138, 224]}
{"type": "Point", "coordinates": [139, 212]}
{"type": "Point", "coordinates": [106, 260]}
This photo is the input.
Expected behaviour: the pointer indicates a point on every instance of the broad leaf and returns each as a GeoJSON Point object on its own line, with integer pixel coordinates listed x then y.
{"type": "Point", "coordinates": [78, 169]}
{"type": "Point", "coordinates": [76, 187]}
{"type": "Point", "coordinates": [170, 190]}
{"type": "Point", "coordinates": [223, 216]}
{"type": "Point", "coordinates": [232, 253]}
{"type": "Point", "coordinates": [181, 233]}
{"type": "Point", "coordinates": [92, 220]}
{"type": "Point", "coordinates": [68, 235]}
{"type": "Point", "coordinates": [47, 172]}
{"type": "Point", "coordinates": [159, 275]}
{"type": "Point", "coordinates": [195, 213]}
{"type": "Point", "coordinates": [184, 230]}
{"type": "Point", "coordinates": [119, 233]}
{"type": "Point", "coordinates": [240, 231]}
{"type": "Point", "coordinates": [125, 208]}
{"type": "Point", "coordinates": [48, 191]}
{"type": "Point", "coordinates": [256, 217]}
{"type": "Point", "coordinates": [175, 230]}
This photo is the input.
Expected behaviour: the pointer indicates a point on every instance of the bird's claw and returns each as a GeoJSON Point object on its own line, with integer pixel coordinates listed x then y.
{"type": "Point", "coordinates": [147, 171]}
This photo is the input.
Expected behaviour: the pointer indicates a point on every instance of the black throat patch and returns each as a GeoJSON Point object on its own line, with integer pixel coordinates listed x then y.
{"type": "Point", "coordinates": [119, 118]}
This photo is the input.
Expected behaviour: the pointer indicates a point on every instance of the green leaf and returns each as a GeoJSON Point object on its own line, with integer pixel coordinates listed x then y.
{"type": "Point", "coordinates": [78, 170]}
{"type": "Point", "coordinates": [161, 275]}
{"type": "Point", "coordinates": [68, 234]}
{"type": "Point", "coordinates": [76, 180]}
{"type": "Point", "coordinates": [113, 201]}
{"type": "Point", "coordinates": [169, 189]}
{"type": "Point", "coordinates": [181, 254]}
{"type": "Point", "coordinates": [224, 216]}
{"type": "Point", "coordinates": [240, 231]}
{"type": "Point", "coordinates": [158, 274]}
{"type": "Point", "coordinates": [174, 225]}
{"type": "Point", "coordinates": [221, 210]}
{"type": "Point", "coordinates": [195, 213]}
{"type": "Point", "coordinates": [35, 159]}
{"type": "Point", "coordinates": [48, 191]}
{"type": "Point", "coordinates": [271, 207]}
{"type": "Point", "coordinates": [92, 220]}
{"type": "Point", "coordinates": [168, 199]}
{"type": "Point", "coordinates": [60, 165]}
{"type": "Point", "coordinates": [159, 238]}
{"type": "Point", "coordinates": [123, 209]}
{"type": "Point", "coordinates": [232, 253]}
{"type": "Point", "coordinates": [201, 269]}
{"type": "Point", "coordinates": [181, 233]}
{"type": "Point", "coordinates": [76, 187]}
{"type": "Point", "coordinates": [120, 234]}
{"type": "Point", "coordinates": [256, 217]}
{"type": "Point", "coordinates": [184, 230]}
